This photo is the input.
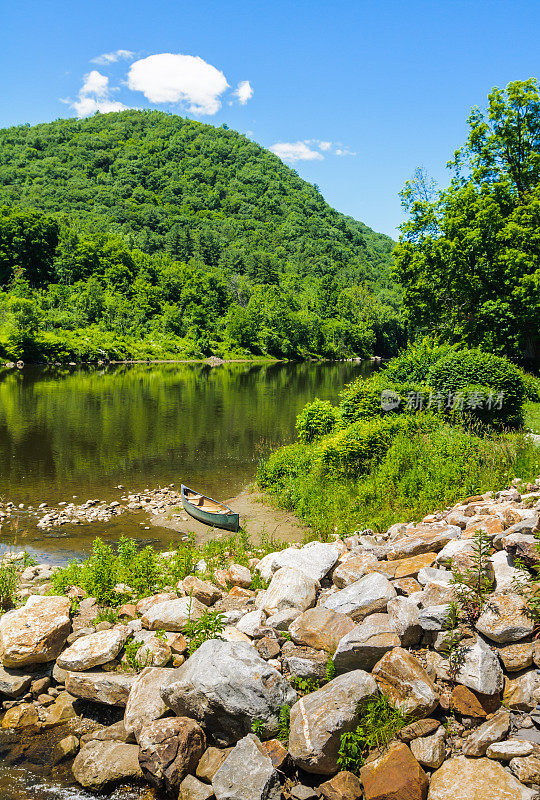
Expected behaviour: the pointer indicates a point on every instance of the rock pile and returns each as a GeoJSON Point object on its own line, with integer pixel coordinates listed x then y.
{"type": "Point", "coordinates": [337, 626]}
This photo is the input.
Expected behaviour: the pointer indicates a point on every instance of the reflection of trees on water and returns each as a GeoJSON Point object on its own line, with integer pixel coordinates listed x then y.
{"type": "Point", "coordinates": [87, 424]}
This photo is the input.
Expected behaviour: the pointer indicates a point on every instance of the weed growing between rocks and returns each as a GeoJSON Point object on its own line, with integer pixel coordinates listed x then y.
{"type": "Point", "coordinates": [474, 584]}
{"type": "Point", "coordinates": [209, 626]}
{"type": "Point", "coordinates": [380, 722]}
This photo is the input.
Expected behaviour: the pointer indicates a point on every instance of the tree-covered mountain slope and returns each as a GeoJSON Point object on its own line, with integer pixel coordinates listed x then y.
{"type": "Point", "coordinates": [159, 235]}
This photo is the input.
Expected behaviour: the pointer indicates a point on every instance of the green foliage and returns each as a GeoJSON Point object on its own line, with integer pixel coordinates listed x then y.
{"type": "Point", "coordinates": [158, 236]}
{"type": "Point", "coordinates": [474, 585]}
{"type": "Point", "coordinates": [379, 724]}
{"type": "Point", "coordinates": [209, 626]}
{"type": "Point", "coordinates": [330, 669]}
{"type": "Point", "coordinates": [106, 615]}
{"type": "Point", "coordinates": [135, 658]}
{"type": "Point", "coordinates": [352, 451]}
{"type": "Point", "coordinates": [284, 723]}
{"type": "Point", "coordinates": [257, 727]}
{"type": "Point", "coordinates": [305, 685]}
{"type": "Point", "coordinates": [469, 256]}
{"type": "Point", "coordinates": [316, 419]}
{"type": "Point", "coordinates": [9, 579]}
{"type": "Point", "coordinates": [472, 371]}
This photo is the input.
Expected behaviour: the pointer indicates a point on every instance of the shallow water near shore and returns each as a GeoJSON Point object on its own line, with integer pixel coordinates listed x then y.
{"type": "Point", "coordinates": [78, 433]}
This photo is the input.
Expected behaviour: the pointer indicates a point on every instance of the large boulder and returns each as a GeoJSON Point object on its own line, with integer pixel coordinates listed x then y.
{"type": "Point", "coordinates": [366, 643]}
{"type": "Point", "coordinates": [14, 683]}
{"type": "Point", "coordinates": [371, 593]}
{"type": "Point", "coordinates": [320, 628]}
{"type": "Point", "coordinates": [319, 719]}
{"type": "Point", "coordinates": [289, 588]}
{"type": "Point", "coordinates": [505, 619]}
{"type": "Point", "coordinates": [109, 688]}
{"type": "Point", "coordinates": [99, 765]}
{"type": "Point", "coordinates": [354, 567]}
{"type": "Point", "coordinates": [463, 778]}
{"type": "Point", "coordinates": [170, 749]}
{"type": "Point", "coordinates": [480, 669]}
{"type": "Point", "coordinates": [226, 686]}
{"type": "Point", "coordinates": [395, 775]}
{"type": "Point", "coordinates": [486, 734]}
{"type": "Point", "coordinates": [144, 703]}
{"type": "Point", "coordinates": [404, 620]}
{"type": "Point", "coordinates": [172, 615]}
{"type": "Point", "coordinates": [422, 538]}
{"type": "Point", "coordinates": [522, 692]}
{"type": "Point", "coordinates": [247, 774]}
{"type": "Point", "coordinates": [405, 682]}
{"type": "Point", "coordinates": [36, 633]}
{"type": "Point", "coordinates": [430, 751]}
{"type": "Point", "coordinates": [97, 648]}
{"type": "Point", "coordinates": [314, 559]}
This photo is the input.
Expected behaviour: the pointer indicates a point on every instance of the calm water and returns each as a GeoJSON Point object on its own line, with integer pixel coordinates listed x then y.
{"type": "Point", "coordinates": [81, 432]}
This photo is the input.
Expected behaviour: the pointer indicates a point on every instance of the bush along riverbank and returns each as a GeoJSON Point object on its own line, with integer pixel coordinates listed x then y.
{"type": "Point", "coordinates": [385, 666]}
{"type": "Point", "coordinates": [434, 424]}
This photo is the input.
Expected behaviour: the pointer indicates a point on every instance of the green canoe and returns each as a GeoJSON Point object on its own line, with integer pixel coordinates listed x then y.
{"type": "Point", "coordinates": [209, 511]}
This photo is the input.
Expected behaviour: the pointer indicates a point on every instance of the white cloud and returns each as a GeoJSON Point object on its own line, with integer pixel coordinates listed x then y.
{"type": "Point", "coordinates": [325, 145]}
{"type": "Point", "coordinates": [344, 151]}
{"type": "Point", "coordinates": [295, 151]}
{"type": "Point", "coordinates": [111, 58]}
{"type": "Point", "coordinates": [244, 92]}
{"type": "Point", "coordinates": [176, 78]}
{"type": "Point", "coordinates": [94, 95]}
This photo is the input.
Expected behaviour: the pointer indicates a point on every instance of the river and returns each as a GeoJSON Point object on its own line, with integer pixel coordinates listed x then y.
{"type": "Point", "coordinates": [74, 434]}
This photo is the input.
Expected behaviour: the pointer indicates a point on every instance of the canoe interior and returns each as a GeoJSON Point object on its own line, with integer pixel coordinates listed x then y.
{"type": "Point", "coordinates": [206, 503]}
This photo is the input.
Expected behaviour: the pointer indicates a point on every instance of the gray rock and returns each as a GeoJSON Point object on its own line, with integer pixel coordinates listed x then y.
{"type": "Point", "coordinates": [102, 764]}
{"type": "Point", "coordinates": [314, 559]}
{"type": "Point", "coordinates": [433, 618]}
{"type": "Point", "coordinates": [170, 749]}
{"type": "Point", "coordinates": [353, 568]}
{"type": "Point", "coordinates": [226, 687]}
{"type": "Point", "coordinates": [282, 620]}
{"type": "Point", "coordinates": [404, 620]}
{"type": "Point", "coordinates": [505, 619]}
{"type": "Point", "coordinates": [93, 650]}
{"type": "Point", "coordinates": [304, 662]}
{"type": "Point", "coordinates": [319, 719]}
{"type": "Point", "coordinates": [172, 615]}
{"type": "Point", "coordinates": [247, 774]}
{"type": "Point", "coordinates": [109, 688]}
{"type": "Point", "coordinates": [481, 670]}
{"type": "Point", "coordinates": [289, 588]}
{"type": "Point", "coordinates": [362, 647]}
{"type": "Point", "coordinates": [512, 748]}
{"type": "Point", "coordinates": [144, 703]}
{"type": "Point", "coordinates": [464, 778]}
{"type": "Point", "coordinates": [430, 751]}
{"type": "Point", "coordinates": [505, 571]}
{"type": "Point", "coordinates": [192, 789]}
{"type": "Point", "coordinates": [14, 683]}
{"type": "Point", "coordinates": [488, 733]}
{"type": "Point", "coordinates": [371, 593]}
{"type": "Point", "coordinates": [251, 622]}
{"type": "Point", "coordinates": [35, 633]}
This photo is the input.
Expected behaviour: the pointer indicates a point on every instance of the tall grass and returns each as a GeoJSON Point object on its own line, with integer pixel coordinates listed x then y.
{"type": "Point", "coordinates": [422, 470]}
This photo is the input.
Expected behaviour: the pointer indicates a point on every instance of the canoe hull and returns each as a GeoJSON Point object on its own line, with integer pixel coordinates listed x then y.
{"type": "Point", "coordinates": [227, 522]}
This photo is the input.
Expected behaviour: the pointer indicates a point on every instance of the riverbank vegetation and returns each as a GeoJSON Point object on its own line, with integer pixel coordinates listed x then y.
{"type": "Point", "coordinates": [142, 234]}
{"type": "Point", "coordinates": [436, 425]}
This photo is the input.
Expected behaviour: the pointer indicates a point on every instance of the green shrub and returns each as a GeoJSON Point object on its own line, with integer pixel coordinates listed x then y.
{"type": "Point", "coordinates": [379, 724]}
{"type": "Point", "coordinates": [361, 399]}
{"type": "Point", "coordinates": [532, 386]}
{"type": "Point", "coordinates": [315, 420]}
{"type": "Point", "coordinates": [209, 626]}
{"type": "Point", "coordinates": [454, 372]}
{"type": "Point", "coordinates": [352, 451]}
{"type": "Point", "coordinates": [8, 585]}
{"type": "Point", "coordinates": [414, 363]}
{"type": "Point", "coordinates": [285, 464]}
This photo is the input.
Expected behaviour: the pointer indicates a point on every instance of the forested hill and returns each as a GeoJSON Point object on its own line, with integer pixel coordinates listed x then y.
{"type": "Point", "coordinates": [166, 235]}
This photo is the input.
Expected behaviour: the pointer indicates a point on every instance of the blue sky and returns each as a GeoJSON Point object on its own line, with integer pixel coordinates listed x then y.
{"type": "Point", "coordinates": [363, 91]}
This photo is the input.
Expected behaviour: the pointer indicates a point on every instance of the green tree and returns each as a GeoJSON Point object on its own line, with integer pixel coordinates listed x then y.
{"type": "Point", "coordinates": [469, 256]}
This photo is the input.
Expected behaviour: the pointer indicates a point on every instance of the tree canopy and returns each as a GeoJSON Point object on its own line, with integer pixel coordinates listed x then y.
{"type": "Point", "coordinates": [189, 238]}
{"type": "Point", "coordinates": [469, 256]}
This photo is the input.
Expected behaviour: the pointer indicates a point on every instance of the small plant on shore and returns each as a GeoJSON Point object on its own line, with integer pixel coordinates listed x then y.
{"type": "Point", "coordinates": [330, 669]}
{"type": "Point", "coordinates": [161, 634]}
{"type": "Point", "coordinates": [474, 584]}
{"type": "Point", "coordinates": [257, 727]}
{"type": "Point", "coordinates": [8, 585]}
{"type": "Point", "coordinates": [379, 724]}
{"type": "Point", "coordinates": [106, 615]}
{"type": "Point", "coordinates": [452, 648]}
{"type": "Point", "coordinates": [135, 659]}
{"type": "Point", "coordinates": [209, 626]}
{"type": "Point", "coordinates": [528, 586]}
{"type": "Point", "coordinates": [305, 685]}
{"type": "Point", "coordinates": [284, 723]}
